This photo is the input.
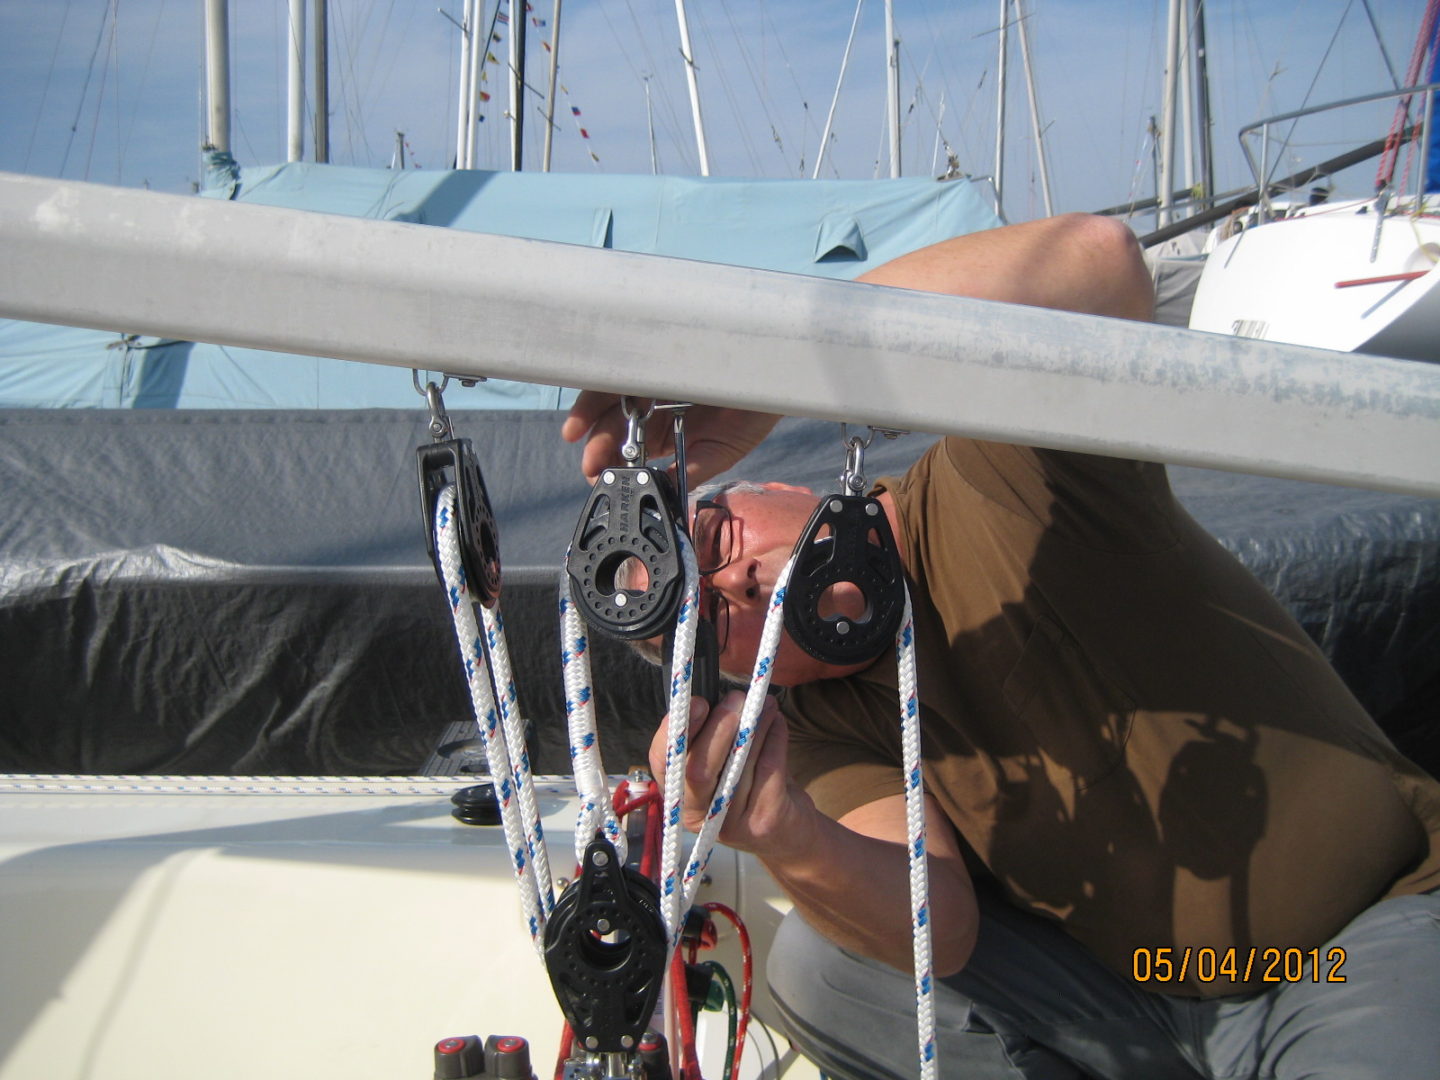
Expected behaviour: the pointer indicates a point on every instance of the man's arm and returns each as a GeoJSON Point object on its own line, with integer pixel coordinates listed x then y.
{"type": "Point", "coordinates": [849, 878]}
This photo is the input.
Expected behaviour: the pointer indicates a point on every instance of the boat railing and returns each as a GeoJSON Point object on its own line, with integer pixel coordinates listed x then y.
{"type": "Point", "coordinates": [1261, 170]}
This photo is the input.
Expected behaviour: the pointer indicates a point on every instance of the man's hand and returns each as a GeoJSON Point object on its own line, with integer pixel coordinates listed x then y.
{"type": "Point", "coordinates": [769, 816]}
{"type": "Point", "coordinates": [850, 878]}
{"type": "Point", "coordinates": [715, 438]}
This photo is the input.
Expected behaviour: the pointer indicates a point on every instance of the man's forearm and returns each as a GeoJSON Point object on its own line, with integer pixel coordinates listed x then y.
{"type": "Point", "coordinates": [855, 890]}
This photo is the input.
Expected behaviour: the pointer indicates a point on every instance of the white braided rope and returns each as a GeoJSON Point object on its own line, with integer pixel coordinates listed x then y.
{"type": "Point", "coordinates": [596, 812]}
{"type": "Point", "coordinates": [915, 836]}
{"type": "Point", "coordinates": [744, 737]}
{"type": "Point", "coordinates": [514, 729]}
{"type": "Point", "coordinates": [482, 699]}
{"type": "Point", "coordinates": [677, 741]}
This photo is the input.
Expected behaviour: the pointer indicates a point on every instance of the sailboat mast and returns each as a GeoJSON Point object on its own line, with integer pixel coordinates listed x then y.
{"type": "Point", "coordinates": [1167, 118]}
{"type": "Point", "coordinates": [1184, 103]}
{"type": "Point", "coordinates": [1202, 110]}
{"type": "Point", "coordinates": [462, 120]}
{"type": "Point", "coordinates": [479, 55]}
{"type": "Point", "coordinates": [1036, 129]}
{"type": "Point", "coordinates": [217, 74]}
{"type": "Point", "coordinates": [517, 86]}
{"type": "Point", "coordinates": [892, 87]}
{"type": "Point", "coordinates": [1002, 70]}
{"type": "Point", "coordinates": [550, 93]}
{"type": "Point", "coordinates": [689, 57]}
{"type": "Point", "coordinates": [295, 88]}
{"type": "Point", "coordinates": [835, 101]}
{"type": "Point", "coordinates": [322, 81]}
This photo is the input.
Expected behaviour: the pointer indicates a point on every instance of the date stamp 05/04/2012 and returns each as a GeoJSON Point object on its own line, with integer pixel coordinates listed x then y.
{"type": "Point", "coordinates": [1175, 964]}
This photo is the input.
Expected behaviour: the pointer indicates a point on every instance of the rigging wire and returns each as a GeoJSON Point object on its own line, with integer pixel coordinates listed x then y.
{"type": "Point", "coordinates": [760, 84]}
{"type": "Point", "coordinates": [110, 61]}
{"type": "Point", "coordinates": [85, 88]}
{"type": "Point", "coordinates": [937, 54]}
{"type": "Point", "coordinates": [719, 75]}
{"type": "Point", "coordinates": [668, 120]}
{"type": "Point", "coordinates": [45, 91]}
{"type": "Point", "coordinates": [1305, 101]}
{"type": "Point", "coordinates": [140, 90]}
{"type": "Point", "coordinates": [808, 118]}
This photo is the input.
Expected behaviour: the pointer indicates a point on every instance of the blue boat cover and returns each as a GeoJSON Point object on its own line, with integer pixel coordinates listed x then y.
{"type": "Point", "coordinates": [829, 228]}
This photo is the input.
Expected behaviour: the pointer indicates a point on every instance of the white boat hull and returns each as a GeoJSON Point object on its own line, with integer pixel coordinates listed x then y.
{"type": "Point", "coordinates": [1289, 281]}
{"type": "Point", "coordinates": [228, 927]}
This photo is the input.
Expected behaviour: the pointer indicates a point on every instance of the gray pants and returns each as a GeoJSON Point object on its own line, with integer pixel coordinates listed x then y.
{"type": "Point", "coordinates": [1034, 1004]}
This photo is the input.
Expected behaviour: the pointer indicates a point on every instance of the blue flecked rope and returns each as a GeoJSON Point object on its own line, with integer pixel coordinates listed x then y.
{"type": "Point", "coordinates": [504, 744]}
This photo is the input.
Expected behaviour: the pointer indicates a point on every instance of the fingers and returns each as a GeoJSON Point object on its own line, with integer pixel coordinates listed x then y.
{"type": "Point", "coordinates": [755, 792]}
{"type": "Point", "coordinates": [710, 745]}
{"type": "Point", "coordinates": [699, 713]}
{"type": "Point", "coordinates": [716, 438]}
{"type": "Point", "coordinates": [761, 802]}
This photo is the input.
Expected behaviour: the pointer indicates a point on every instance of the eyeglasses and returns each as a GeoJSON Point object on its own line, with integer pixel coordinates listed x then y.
{"type": "Point", "coordinates": [713, 533]}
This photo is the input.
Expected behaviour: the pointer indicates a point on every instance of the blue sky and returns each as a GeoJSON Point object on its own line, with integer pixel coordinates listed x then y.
{"type": "Point", "coordinates": [110, 90]}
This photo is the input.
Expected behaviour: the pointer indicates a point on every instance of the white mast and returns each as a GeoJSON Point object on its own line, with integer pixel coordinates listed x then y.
{"type": "Point", "coordinates": [688, 55]}
{"type": "Point", "coordinates": [834, 101]}
{"type": "Point", "coordinates": [1035, 127]}
{"type": "Point", "coordinates": [217, 74]}
{"type": "Point", "coordinates": [462, 121]}
{"type": "Point", "coordinates": [295, 89]}
{"type": "Point", "coordinates": [1167, 117]}
{"type": "Point", "coordinates": [892, 87]}
{"type": "Point", "coordinates": [1002, 67]}
{"type": "Point", "coordinates": [479, 53]}
{"type": "Point", "coordinates": [550, 95]}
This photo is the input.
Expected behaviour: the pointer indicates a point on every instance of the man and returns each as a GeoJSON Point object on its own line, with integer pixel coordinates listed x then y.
{"type": "Point", "coordinates": [1147, 793]}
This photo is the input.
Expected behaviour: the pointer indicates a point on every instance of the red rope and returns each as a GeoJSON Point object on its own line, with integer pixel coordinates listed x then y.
{"type": "Point", "coordinates": [1386, 171]}
{"type": "Point", "coordinates": [747, 978]}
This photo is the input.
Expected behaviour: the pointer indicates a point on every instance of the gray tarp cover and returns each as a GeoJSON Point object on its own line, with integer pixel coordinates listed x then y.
{"type": "Point", "coordinates": [248, 592]}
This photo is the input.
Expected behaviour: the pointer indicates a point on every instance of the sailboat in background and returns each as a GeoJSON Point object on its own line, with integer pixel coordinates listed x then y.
{"type": "Point", "coordinates": [1355, 275]}
{"type": "Point", "coordinates": [1358, 275]}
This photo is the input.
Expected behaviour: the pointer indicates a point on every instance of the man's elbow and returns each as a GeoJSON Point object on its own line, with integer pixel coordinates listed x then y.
{"type": "Point", "coordinates": [951, 951]}
{"type": "Point", "coordinates": [1121, 285]}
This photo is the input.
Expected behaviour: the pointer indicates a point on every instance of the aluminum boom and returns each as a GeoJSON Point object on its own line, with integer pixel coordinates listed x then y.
{"type": "Point", "coordinates": [412, 295]}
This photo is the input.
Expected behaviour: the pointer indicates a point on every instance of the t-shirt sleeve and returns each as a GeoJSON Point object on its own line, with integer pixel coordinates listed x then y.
{"type": "Point", "coordinates": [1096, 502]}
{"type": "Point", "coordinates": [838, 754]}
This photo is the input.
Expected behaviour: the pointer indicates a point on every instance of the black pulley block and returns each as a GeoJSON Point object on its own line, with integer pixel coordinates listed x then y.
{"type": "Point", "coordinates": [848, 539]}
{"type": "Point", "coordinates": [624, 561]}
{"type": "Point", "coordinates": [453, 462]}
{"type": "Point", "coordinates": [606, 951]}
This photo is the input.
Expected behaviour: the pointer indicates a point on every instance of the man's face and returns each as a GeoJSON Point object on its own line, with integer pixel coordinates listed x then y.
{"type": "Point", "coordinates": [763, 531]}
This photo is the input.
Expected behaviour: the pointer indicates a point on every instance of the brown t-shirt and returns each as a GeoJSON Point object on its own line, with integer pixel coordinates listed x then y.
{"type": "Point", "coordinates": [1128, 732]}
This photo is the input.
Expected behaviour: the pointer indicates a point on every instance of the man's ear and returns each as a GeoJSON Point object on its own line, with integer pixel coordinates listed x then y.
{"type": "Point", "coordinates": [775, 485]}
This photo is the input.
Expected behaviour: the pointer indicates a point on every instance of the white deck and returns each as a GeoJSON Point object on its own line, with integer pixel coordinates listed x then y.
{"type": "Point", "coordinates": [158, 928]}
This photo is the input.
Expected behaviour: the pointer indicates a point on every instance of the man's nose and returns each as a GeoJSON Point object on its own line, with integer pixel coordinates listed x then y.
{"type": "Point", "coordinates": [739, 580]}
